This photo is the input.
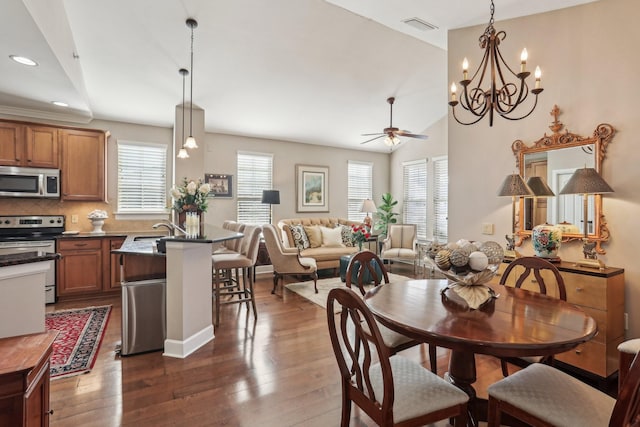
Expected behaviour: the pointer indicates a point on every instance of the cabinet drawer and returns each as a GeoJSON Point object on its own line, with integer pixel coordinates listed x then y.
{"type": "Point", "coordinates": [589, 291]}
{"type": "Point", "coordinates": [78, 244]}
{"type": "Point", "coordinates": [590, 356]}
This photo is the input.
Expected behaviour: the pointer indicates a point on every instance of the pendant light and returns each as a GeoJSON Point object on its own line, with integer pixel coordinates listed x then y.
{"type": "Point", "coordinates": [191, 141]}
{"type": "Point", "coordinates": [182, 154]}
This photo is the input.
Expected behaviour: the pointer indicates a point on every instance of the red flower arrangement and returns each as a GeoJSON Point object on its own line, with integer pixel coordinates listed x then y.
{"type": "Point", "coordinates": [359, 235]}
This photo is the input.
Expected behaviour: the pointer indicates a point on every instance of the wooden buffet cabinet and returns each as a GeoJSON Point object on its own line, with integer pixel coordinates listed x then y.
{"type": "Point", "coordinates": [24, 379]}
{"type": "Point", "coordinates": [601, 295]}
{"type": "Point", "coordinates": [79, 154]}
{"type": "Point", "coordinates": [87, 268]}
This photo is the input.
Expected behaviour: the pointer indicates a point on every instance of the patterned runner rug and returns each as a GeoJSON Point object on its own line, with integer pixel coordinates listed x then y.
{"type": "Point", "coordinates": [80, 333]}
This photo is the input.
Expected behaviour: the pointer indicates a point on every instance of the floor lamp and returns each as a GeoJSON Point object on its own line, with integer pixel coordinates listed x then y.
{"type": "Point", "coordinates": [587, 181]}
{"type": "Point", "coordinates": [513, 186]}
{"type": "Point", "coordinates": [272, 197]}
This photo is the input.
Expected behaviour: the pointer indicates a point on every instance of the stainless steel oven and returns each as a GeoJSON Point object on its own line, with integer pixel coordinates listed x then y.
{"type": "Point", "coordinates": [33, 233]}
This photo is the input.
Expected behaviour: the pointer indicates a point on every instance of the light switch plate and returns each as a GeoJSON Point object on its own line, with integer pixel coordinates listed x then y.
{"type": "Point", "coordinates": [74, 219]}
{"type": "Point", "coordinates": [487, 228]}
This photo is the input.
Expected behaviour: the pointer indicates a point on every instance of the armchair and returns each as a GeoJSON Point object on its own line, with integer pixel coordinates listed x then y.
{"type": "Point", "coordinates": [401, 243]}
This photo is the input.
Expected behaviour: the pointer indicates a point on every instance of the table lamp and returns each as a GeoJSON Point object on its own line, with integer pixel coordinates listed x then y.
{"type": "Point", "coordinates": [513, 186]}
{"type": "Point", "coordinates": [272, 197]}
{"type": "Point", "coordinates": [587, 181]}
{"type": "Point", "coordinates": [539, 188]}
{"type": "Point", "coordinates": [368, 206]}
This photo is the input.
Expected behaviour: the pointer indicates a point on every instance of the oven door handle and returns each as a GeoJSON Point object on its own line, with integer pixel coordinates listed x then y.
{"type": "Point", "coordinates": [28, 248]}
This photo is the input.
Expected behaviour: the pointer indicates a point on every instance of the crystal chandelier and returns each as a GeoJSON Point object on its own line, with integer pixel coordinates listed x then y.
{"type": "Point", "coordinates": [501, 96]}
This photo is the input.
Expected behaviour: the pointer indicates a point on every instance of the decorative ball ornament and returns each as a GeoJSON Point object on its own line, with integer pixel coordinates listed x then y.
{"type": "Point", "coordinates": [478, 261]}
{"type": "Point", "coordinates": [434, 248]}
{"type": "Point", "coordinates": [493, 251]}
{"type": "Point", "coordinates": [459, 257]}
{"type": "Point", "coordinates": [442, 259]}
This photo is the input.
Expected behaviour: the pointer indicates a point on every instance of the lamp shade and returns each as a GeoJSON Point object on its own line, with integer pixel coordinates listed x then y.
{"type": "Point", "coordinates": [368, 206]}
{"type": "Point", "coordinates": [539, 187]}
{"type": "Point", "coordinates": [513, 185]}
{"type": "Point", "coordinates": [586, 181]}
{"type": "Point", "coordinates": [271, 196]}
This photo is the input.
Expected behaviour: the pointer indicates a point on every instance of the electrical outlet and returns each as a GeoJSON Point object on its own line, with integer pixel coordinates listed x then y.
{"type": "Point", "coordinates": [626, 321]}
{"type": "Point", "coordinates": [487, 228]}
{"type": "Point", "coordinates": [74, 219]}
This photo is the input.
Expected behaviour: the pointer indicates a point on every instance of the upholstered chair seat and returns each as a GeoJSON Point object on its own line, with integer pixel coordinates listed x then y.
{"type": "Point", "coordinates": [401, 243]}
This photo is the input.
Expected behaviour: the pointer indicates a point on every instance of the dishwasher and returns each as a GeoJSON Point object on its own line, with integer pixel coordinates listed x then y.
{"type": "Point", "coordinates": [144, 326]}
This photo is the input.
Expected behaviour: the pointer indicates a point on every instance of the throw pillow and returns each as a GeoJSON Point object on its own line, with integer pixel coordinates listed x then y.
{"type": "Point", "coordinates": [331, 237]}
{"type": "Point", "coordinates": [314, 234]}
{"type": "Point", "coordinates": [300, 239]}
{"type": "Point", "coordinates": [346, 232]}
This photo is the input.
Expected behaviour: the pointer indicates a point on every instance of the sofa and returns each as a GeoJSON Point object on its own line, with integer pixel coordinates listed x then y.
{"type": "Point", "coordinates": [321, 244]}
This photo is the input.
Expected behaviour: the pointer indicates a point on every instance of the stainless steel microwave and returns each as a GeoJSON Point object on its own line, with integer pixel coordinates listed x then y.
{"type": "Point", "coordinates": [29, 182]}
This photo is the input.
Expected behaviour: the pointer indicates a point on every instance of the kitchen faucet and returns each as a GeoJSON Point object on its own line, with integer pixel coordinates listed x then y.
{"type": "Point", "coordinates": [169, 226]}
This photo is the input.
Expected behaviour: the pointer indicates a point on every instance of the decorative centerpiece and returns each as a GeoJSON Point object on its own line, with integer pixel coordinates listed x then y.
{"type": "Point", "coordinates": [546, 240]}
{"type": "Point", "coordinates": [468, 265]}
{"type": "Point", "coordinates": [191, 197]}
{"type": "Point", "coordinates": [359, 235]}
{"type": "Point", "coordinates": [97, 218]}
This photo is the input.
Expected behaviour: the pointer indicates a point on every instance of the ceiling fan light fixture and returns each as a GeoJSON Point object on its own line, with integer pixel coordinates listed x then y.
{"type": "Point", "coordinates": [391, 140]}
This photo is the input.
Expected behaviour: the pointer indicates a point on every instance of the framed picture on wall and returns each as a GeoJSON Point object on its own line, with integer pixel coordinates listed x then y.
{"type": "Point", "coordinates": [221, 185]}
{"type": "Point", "coordinates": [312, 188]}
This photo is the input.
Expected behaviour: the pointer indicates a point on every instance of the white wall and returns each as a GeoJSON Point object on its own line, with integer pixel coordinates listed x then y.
{"type": "Point", "coordinates": [587, 56]}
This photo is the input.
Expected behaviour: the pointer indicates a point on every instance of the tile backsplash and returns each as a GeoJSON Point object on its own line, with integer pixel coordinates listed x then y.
{"type": "Point", "coordinates": [17, 206]}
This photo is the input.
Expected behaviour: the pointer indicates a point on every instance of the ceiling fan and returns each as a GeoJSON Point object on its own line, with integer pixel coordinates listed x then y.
{"type": "Point", "coordinates": [391, 134]}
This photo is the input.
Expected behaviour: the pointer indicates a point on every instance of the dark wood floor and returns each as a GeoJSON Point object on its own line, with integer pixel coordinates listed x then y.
{"type": "Point", "coordinates": [278, 371]}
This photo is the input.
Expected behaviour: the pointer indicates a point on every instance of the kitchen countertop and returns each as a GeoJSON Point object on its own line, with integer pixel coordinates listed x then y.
{"type": "Point", "coordinates": [26, 258]}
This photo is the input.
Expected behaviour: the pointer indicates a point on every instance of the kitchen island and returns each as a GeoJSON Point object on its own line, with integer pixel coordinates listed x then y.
{"type": "Point", "coordinates": [22, 292]}
{"type": "Point", "coordinates": [188, 285]}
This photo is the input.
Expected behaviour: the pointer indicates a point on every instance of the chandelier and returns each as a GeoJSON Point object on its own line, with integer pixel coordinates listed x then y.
{"type": "Point", "coordinates": [501, 96]}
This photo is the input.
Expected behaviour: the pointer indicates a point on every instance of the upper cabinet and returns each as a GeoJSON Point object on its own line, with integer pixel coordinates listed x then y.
{"type": "Point", "coordinates": [28, 145]}
{"type": "Point", "coordinates": [83, 164]}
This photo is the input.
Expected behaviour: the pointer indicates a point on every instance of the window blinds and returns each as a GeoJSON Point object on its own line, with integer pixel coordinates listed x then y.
{"type": "Point", "coordinates": [440, 199]}
{"type": "Point", "coordinates": [360, 187]}
{"type": "Point", "coordinates": [255, 173]}
{"type": "Point", "coordinates": [142, 180]}
{"type": "Point", "coordinates": [414, 178]}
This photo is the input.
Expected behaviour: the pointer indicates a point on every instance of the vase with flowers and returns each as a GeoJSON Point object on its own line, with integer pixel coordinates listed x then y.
{"type": "Point", "coordinates": [190, 197]}
{"type": "Point", "coordinates": [359, 235]}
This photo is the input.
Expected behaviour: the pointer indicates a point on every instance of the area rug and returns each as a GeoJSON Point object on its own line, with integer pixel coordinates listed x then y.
{"type": "Point", "coordinates": [305, 289]}
{"type": "Point", "coordinates": [80, 333]}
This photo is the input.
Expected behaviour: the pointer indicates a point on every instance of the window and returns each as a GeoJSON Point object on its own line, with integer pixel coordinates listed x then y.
{"type": "Point", "coordinates": [255, 173]}
{"type": "Point", "coordinates": [142, 178]}
{"type": "Point", "coordinates": [359, 187]}
{"type": "Point", "coordinates": [414, 178]}
{"type": "Point", "coordinates": [439, 219]}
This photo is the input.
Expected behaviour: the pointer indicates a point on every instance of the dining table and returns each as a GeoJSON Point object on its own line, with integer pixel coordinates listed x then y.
{"type": "Point", "coordinates": [512, 323]}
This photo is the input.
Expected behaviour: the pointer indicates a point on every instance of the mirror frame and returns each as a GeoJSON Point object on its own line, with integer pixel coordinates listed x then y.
{"type": "Point", "coordinates": [601, 138]}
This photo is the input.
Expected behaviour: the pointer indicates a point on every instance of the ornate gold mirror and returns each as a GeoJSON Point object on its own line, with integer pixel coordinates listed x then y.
{"type": "Point", "coordinates": [554, 159]}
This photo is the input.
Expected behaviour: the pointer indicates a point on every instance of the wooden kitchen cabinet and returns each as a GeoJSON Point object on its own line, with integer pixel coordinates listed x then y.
{"type": "Point", "coordinates": [28, 145]}
{"type": "Point", "coordinates": [111, 263]}
{"type": "Point", "coordinates": [601, 295]}
{"type": "Point", "coordinates": [83, 164]}
{"type": "Point", "coordinates": [79, 266]}
{"type": "Point", "coordinates": [24, 379]}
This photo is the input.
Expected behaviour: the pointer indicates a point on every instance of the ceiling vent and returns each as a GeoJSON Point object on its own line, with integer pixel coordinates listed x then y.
{"type": "Point", "coordinates": [420, 24]}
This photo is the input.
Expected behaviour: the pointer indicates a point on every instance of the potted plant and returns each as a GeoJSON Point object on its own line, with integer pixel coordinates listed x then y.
{"type": "Point", "coordinates": [385, 214]}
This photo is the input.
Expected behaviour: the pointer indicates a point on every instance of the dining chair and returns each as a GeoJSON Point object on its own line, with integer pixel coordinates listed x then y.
{"type": "Point", "coordinates": [401, 243]}
{"type": "Point", "coordinates": [244, 260]}
{"type": "Point", "coordinates": [287, 261]}
{"type": "Point", "coordinates": [525, 267]}
{"type": "Point", "coordinates": [543, 396]}
{"type": "Point", "coordinates": [627, 351]}
{"type": "Point", "coordinates": [392, 390]}
{"type": "Point", "coordinates": [364, 265]}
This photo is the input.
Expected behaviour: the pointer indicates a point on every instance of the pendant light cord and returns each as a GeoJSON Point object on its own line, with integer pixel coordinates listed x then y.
{"type": "Point", "coordinates": [192, 25]}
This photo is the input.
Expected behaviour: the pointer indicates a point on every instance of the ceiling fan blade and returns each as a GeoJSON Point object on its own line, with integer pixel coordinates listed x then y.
{"type": "Point", "coordinates": [372, 139]}
{"type": "Point", "coordinates": [410, 135]}
{"type": "Point", "coordinates": [371, 134]}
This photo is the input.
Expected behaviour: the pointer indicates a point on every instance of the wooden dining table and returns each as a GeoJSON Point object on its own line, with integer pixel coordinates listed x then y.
{"type": "Point", "coordinates": [516, 323]}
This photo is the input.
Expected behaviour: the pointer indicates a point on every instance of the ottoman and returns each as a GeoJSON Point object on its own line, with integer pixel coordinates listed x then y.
{"type": "Point", "coordinates": [344, 264]}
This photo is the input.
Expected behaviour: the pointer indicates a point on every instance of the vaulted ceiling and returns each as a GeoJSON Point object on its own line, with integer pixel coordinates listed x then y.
{"type": "Point", "coordinates": [310, 71]}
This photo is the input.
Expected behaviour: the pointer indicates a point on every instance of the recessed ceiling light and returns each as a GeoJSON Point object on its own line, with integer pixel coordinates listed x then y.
{"type": "Point", "coordinates": [23, 60]}
{"type": "Point", "coordinates": [60, 103]}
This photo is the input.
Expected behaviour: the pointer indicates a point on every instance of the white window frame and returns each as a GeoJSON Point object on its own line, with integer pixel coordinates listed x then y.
{"type": "Point", "coordinates": [146, 174]}
{"type": "Point", "coordinates": [415, 196]}
{"type": "Point", "coordinates": [250, 182]}
{"type": "Point", "coordinates": [359, 188]}
{"type": "Point", "coordinates": [439, 201]}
